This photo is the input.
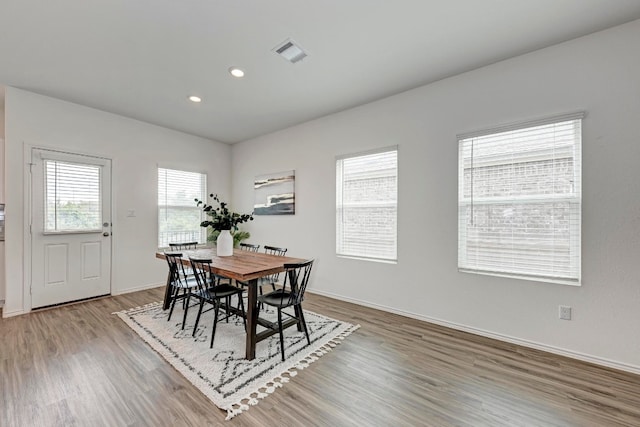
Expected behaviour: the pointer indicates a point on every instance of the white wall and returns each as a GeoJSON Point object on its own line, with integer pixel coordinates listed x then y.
{"type": "Point", "coordinates": [598, 74]}
{"type": "Point", "coordinates": [136, 148]}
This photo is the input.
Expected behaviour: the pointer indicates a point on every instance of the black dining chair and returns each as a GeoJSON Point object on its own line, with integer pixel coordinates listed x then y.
{"type": "Point", "coordinates": [211, 290]}
{"type": "Point", "coordinates": [291, 294]}
{"type": "Point", "coordinates": [179, 280]}
{"type": "Point", "coordinates": [185, 246]}
{"type": "Point", "coordinates": [272, 279]}
{"type": "Point", "coordinates": [249, 247]}
{"type": "Point", "coordinates": [272, 250]}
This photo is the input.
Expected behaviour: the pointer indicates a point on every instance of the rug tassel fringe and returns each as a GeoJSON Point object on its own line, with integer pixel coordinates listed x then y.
{"type": "Point", "coordinates": [141, 307]}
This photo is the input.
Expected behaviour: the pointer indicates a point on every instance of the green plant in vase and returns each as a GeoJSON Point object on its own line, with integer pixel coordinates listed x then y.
{"type": "Point", "coordinates": [222, 218]}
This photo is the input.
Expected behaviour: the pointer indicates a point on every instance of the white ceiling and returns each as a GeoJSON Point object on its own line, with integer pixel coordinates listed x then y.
{"type": "Point", "coordinates": [142, 58]}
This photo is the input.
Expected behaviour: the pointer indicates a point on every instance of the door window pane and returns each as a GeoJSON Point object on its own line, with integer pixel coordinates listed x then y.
{"type": "Point", "coordinates": [72, 197]}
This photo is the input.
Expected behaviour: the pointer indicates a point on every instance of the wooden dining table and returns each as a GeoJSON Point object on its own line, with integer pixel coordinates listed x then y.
{"type": "Point", "coordinates": [247, 267]}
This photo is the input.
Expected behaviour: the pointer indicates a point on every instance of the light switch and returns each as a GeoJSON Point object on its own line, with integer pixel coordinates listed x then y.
{"type": "Point", "coordinates": [131, 213]}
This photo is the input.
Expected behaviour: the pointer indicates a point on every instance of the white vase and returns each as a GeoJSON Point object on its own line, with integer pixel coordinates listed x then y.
{"type": "Point", "coordinates": [224, 244]}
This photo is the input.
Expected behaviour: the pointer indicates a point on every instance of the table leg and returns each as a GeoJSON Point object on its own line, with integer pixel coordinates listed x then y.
{"type": "Point", "coordinates": [252, 318]}
{"type": "Point", "coordinates": [167, 293]}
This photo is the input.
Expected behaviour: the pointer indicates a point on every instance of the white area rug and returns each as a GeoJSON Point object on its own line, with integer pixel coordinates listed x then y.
{"type": "Point", "coordinates": [222, 373]}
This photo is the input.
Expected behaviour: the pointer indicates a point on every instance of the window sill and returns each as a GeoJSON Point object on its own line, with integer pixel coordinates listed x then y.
{"type": "Point", "coordinates": [556, 281]}
{"type": "Point", "coordinates": [382, 261]}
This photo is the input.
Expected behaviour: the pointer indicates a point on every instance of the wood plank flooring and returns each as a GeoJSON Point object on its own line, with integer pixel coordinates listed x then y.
{"type": "Point", "coordinates": [79, 365]}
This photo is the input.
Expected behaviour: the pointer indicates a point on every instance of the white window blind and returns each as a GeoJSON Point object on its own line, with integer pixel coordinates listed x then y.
{"type": "Point", "coordinates": [366, 205]}
{"type": "Point", "coordinates": [72, 192]}
{"type": "Point", "coordinates": [178, 216]}
{"type": "Point", "coordinates": [519, 201]}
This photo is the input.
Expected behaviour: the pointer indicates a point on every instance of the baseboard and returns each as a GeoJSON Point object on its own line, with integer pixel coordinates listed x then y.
{"type": "Point", "coordinates": [137, 288]}
{"type": "Point", "coordinates": [119, 292]}
{"type": "Point", "coordinates": [13, 313]}
{"type": "Point", "coordinates": [500, 337]}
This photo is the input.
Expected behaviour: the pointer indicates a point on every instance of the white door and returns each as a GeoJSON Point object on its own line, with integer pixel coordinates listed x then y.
{"type": "Point", "coordinates": [70, 227]}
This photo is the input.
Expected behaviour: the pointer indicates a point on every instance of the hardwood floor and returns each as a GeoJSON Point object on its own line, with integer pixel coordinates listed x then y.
{"type": "Point", "coordinates": [79, 365]}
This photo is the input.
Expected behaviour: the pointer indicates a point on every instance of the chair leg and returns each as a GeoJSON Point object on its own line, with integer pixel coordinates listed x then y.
{"type": "Point", "coordinates": [185, 292]}
{"type": "Point", "coordinates": [260, 291]}
{"type": "Point", "coordinates": [186, 308]}
{"type": "Point", "coordinates": [173, 302]}
{"type": "Point", "coordinates": [239, 299]}
{"type": "Point", "coordinates": [304, 323]}
{"type": "Point", "coordinates": [195, 327]}
{"type": "Point", "coordinates": [227, 302]}
{"type": "Point", "coordinates": [244, 314]}
{"type": "Point", "coordinates": [215, 321]}
{"type": "Point", "coordinates": [281, 334]}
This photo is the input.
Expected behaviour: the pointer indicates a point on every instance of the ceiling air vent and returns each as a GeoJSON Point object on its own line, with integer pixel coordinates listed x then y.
{"type": "Point", "coordinates": [290, 51]}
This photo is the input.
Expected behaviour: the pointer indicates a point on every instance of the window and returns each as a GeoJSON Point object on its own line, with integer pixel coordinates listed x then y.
{"type": "Point", "coordinates": [178, 216]}
{"type": "Point", "coordinates": [72, 194]}
{"type": "Point", "coordinates": [366, 205]}
{"type": "Point", "coordinates": [519, 201]}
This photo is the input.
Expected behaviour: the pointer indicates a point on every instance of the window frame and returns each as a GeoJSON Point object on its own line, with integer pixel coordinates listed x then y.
{"type": "Point", "coordinates": [202, 240]}
{"type": "Point", "coordinates": [575, 227]}
{"type": "Point", "coordinates": [340, 252]}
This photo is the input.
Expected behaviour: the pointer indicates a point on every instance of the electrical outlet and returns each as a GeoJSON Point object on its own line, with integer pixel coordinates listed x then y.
{"type": "Point", "coordinates": [564, 312]}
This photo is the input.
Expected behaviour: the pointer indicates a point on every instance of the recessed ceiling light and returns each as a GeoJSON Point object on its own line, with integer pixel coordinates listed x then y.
{"type": "Point", "coordinates": [194, 98]}
{"type": "Point", "coordinates": [236, 72]}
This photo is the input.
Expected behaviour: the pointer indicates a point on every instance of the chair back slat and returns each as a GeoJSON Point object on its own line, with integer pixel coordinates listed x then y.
{"type": "Point", "coordinates": [176, 268]}
{"type": "Point", "coordinates": [249, 247]}
{"type": "Point", "coordinates": [184, 246]}
{"type": "Point", "coordinates": [296, 279]}
{"type": "Point", "coordinates": [201, 268]}
{"type": "Point", "coordinates": [205, 277]}
{"type": "Point", "coordinates": [272, 250]}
